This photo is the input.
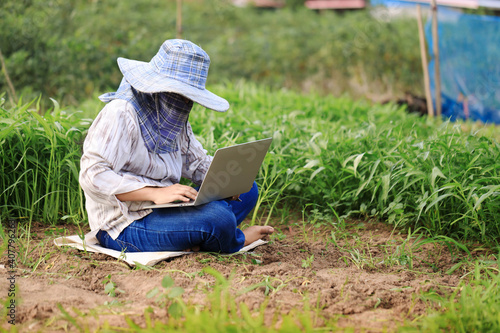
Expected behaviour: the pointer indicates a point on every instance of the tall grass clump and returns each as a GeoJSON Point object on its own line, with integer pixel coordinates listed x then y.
{"type": "Point", "coordinates": [39, 164]}
{"type": "Point", "coordinates": [366, 160]}
{"type": "Point", "coordinates": [332, 155]}
{"type": "Point", "coordinates": [473, 307]}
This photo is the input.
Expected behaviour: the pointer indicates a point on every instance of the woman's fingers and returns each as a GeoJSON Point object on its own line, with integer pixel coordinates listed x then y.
{"type": "Point", "coordinates": [174, 193]}
{"type": "Point", "coordinates": [187, 192]}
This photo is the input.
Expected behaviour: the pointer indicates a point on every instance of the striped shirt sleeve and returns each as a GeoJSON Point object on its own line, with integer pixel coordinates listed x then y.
{"type": "Point", "coordinates": [195, 158]}
{"type": "Point", "coordinates": [106, 150]}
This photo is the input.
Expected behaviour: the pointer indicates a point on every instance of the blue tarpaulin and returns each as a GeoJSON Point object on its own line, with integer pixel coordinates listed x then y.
{"type": "Point", "coordinates": [469, 51]}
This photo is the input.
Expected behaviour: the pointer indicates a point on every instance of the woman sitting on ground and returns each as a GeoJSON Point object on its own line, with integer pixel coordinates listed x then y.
{"type": "Point", "coordinates": [139, 147]}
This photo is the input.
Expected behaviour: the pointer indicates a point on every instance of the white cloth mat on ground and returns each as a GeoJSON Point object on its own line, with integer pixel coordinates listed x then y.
{"type": "Point", "coordinates": [91, 244]}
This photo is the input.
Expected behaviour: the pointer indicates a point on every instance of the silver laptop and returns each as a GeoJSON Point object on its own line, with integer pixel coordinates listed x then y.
{"type": "Point", "coordinates": [232, 171]}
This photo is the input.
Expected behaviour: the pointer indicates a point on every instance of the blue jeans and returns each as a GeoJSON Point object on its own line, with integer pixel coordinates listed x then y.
{"type": "Point", "coordinates": [212, 226]}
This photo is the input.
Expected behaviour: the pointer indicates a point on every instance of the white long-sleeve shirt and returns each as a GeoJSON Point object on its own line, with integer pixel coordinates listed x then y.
{"type": "Point", "coordinates": [115, 160]}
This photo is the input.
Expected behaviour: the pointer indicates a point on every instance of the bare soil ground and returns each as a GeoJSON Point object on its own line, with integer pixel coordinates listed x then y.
{"type": "Point", "coordinates": [369, 278]}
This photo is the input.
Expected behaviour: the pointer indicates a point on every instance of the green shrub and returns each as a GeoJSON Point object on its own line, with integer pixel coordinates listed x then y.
{"type": "Point", "coordinates": [364, 160]}
{"type": "Point", "coordinates": [39, 164]}
{"type": "Point", "coordinates": [68, 50]}
{"type": "Point", "coordinates": [332, 155]}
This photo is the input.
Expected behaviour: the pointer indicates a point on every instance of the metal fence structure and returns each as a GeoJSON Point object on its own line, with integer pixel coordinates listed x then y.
{"type": "Point", "coordinates": [469, 53]}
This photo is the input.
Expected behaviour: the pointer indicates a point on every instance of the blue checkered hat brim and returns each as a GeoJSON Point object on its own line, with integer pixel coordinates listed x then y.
{"type": "Point", "coordinates": [180, 67]}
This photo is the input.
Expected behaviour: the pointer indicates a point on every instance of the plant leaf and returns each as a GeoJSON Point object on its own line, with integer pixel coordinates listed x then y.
{"type": "Point", "coordinates": [167, 282]}
{"type": "Point", "coordinates": [175, 292]}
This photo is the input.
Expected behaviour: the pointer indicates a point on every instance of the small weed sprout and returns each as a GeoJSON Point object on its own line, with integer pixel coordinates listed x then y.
{"type": "Point", "coordinates": [256, 261]}
{"type": "Point", "coordinates": [270, 285]}
{"type": "Point", "coordinates": [170, 296]}
{"type": "Point", "coordinates": [306, 263]}
{"type": "Point", "coordinates": [277, 236]}
{"type": "Point", "coordinates": [110, 287]}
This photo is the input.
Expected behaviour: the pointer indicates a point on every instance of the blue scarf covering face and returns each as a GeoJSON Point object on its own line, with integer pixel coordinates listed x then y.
{"type": "Point", "coordinates": [162, 116]}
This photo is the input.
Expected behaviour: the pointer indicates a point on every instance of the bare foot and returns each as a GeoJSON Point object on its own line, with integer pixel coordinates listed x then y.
{"type": "Point", "coordinates": [193, 249]}
{"type": "Point", "coordinates": [256, 232]}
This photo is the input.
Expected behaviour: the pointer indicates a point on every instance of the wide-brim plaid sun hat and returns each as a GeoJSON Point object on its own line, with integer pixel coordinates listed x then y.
{"type": "Point", "coordinates": [181, 67]}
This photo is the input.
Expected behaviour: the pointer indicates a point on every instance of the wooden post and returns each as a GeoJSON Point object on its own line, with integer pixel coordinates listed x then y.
{"type": "Point", "coordinates": [425, 66]}
{"type": "Point", "coordinates": [435, 46]}
{"type": "Point", "coordinates": [179, 19]}
{"type": "Point", "coordinates": [12, 92]}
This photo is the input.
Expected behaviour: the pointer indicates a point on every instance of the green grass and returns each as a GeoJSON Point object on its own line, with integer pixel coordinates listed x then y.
{"type": "Point", "coordinates": [219, 313]}
{"type": "Point", "coordinates": [331, 158]}
{"type": "Point", "coordinates": [40, 164]}
{"type": "Point", "coordinates": [357, 159]}
{"type": "Point", "coordinates": [473, 307]}
{"type": "Point", "coordinates": [329, 155]}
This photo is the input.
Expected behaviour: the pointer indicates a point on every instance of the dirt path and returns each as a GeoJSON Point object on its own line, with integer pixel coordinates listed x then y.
{"type": "Point", "coordinates": [367, 278]}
